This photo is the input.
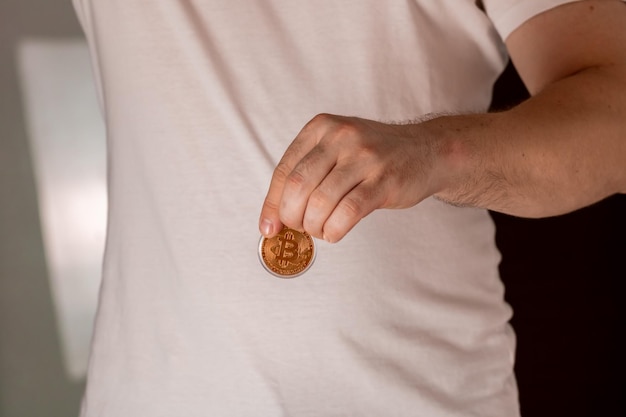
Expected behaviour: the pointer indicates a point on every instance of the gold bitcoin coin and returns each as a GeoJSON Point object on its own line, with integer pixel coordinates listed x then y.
{"type": "Point", "coordinates": [288, 254]}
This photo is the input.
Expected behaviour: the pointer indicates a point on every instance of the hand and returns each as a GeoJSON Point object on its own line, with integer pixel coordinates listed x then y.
{"type": "Point", "coordinates": [339, 169]}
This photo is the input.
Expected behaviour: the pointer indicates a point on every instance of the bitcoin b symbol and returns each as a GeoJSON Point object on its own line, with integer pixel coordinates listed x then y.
{"type": "Point", "coordinates": [287, 249]}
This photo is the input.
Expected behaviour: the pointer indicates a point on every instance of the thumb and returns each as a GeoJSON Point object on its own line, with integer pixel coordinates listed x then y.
{"type": "Point", "coordinates": [269, 221]}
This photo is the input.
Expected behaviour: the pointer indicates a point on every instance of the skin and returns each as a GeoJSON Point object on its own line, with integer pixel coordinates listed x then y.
{"type": "Point", "coordinates": [563, 149]}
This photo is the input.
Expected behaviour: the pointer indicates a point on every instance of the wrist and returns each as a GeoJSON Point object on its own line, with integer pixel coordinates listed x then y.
{"type": "Point", "coordinates": [453, 155]}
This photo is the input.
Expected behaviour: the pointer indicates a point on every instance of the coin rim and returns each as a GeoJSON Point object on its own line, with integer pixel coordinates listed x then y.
{"type": "Point", "coordinates": [287, 276]}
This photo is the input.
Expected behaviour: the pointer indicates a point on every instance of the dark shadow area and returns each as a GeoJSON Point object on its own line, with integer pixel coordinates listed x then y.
{"type": "Point", "coordinates": [565, 279]}
{"type": "Point", "coordinates": [33, 381]}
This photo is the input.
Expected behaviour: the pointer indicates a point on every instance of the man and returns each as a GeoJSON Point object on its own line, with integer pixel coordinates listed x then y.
{"type": "Point", "coordinates": [405, 316]}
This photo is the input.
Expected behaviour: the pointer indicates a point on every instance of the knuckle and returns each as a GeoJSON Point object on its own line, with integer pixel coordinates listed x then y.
{"type": "Point", "coordinates": [362, 200]}
{"type": "Point", "coordinates": [347, 132]}
{"type": "Point", "coordinates": [270, 204]}
{"type": "Point", "coordinates": [295, 179]}
{"type": "Point", "coordinates": [370, 155]}
{"type": "Point", "coordinates": [282, 171]}
{"type": "Point", "coordinates": [322, 118]}
{"type": "Point", "coordinates": [348, 128]}
{"type": "Point", "coordinates": [319, 199]}
{"type": "Point", "coordinates": [319, 121]}
{"type": "Point", "coordinates": [352, 206]}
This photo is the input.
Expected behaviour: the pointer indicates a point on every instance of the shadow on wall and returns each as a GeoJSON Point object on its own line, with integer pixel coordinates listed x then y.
{"type": "Point", "coordinates": [36, 377]}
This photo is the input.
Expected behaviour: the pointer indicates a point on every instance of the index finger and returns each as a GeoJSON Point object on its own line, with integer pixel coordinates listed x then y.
{"type": "Point", "coordinates": [269, 221]}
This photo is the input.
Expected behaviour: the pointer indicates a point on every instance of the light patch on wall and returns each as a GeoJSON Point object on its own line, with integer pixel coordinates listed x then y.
{"type": "Point", "coordinates": [67, 143]}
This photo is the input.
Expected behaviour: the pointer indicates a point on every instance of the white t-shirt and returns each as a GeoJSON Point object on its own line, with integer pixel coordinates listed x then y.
{"type": "Point", "coordinates": [404, 317]}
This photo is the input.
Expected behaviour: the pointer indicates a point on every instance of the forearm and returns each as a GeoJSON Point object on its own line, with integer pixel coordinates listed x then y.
{"type": "Point", "coordinates": [562, 149]}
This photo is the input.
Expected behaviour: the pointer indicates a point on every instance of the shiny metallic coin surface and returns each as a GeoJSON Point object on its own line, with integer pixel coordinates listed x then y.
{"type": "Point", "coordinates": [288, 254]}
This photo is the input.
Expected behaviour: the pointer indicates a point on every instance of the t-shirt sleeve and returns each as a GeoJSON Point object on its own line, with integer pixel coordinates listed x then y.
{"type": "Point", "coordinates": [508, 15]}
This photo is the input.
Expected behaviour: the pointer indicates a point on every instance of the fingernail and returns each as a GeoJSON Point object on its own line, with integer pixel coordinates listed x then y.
{"type": "Point", "coordinates": [266, 227]}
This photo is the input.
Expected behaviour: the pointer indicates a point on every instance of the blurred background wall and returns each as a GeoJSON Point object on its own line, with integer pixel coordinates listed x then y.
{"type": "Point", "coordinates": [34, 376]}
